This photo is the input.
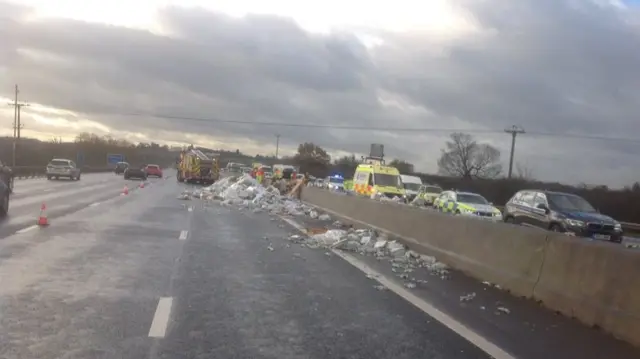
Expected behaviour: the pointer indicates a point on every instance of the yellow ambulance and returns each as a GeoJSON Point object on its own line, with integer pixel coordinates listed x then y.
{"type": "Point", "coordinates": [376, 178]}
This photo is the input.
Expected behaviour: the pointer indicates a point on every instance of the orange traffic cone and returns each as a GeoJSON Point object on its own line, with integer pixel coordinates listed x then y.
{"type": "Point", "coordinates": [42, 219]}
{"type": "Point", "coordinates": [125, 191]}
{"type": "Point", "coordinates": [142, 184]}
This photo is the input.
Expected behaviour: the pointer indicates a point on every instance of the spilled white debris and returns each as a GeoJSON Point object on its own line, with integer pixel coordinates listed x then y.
{"type": "Point", "coordinates": [245, 193]}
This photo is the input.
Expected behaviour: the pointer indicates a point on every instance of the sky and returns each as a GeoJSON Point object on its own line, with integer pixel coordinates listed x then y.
{"type": "Point", "coordinates": [215, 73]}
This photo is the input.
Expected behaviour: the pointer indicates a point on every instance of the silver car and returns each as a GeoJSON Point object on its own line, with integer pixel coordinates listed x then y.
{"type": "Point", "coordinates": [63, 168]}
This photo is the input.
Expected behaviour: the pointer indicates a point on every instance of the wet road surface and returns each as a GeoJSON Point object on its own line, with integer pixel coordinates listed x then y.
{"type": "Point", "coordinates": [150, 276]}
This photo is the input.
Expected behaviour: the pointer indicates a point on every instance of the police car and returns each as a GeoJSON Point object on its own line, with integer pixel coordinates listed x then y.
{"type": "Point", "coordinates": [466, 203]}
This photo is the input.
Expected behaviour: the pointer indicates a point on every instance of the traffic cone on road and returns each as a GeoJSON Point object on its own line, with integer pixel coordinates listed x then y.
{"type": "Point", "coordinates": [125, 191]}
{"type": "Point", "coordinates": [42, 219]}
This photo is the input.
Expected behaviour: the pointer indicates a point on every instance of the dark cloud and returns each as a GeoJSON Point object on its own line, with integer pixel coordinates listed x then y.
{"type": "Point", "coordinates": [551, 66]}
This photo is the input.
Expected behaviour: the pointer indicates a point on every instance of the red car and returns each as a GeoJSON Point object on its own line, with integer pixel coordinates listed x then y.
{"type": "Point", "coordinates": [154, 170]}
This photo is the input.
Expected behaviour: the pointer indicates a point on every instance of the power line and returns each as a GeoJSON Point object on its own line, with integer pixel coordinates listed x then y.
{"type": "Point", "coordinates": [376, 128]}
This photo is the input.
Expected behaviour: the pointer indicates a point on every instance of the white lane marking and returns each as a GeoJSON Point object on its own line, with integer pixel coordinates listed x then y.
{"type": "Point", "coordinates": [94, 204]}
{"type": "Point", "coordinates": [190, 209]}
{"type": "Point", "coordinates": [161, 318]}
{"type": "Point", "coordinates": [183, 235]}
{"type": "Point", "coordinates": [467, 333]}
{"type": "Point", "coordinates": [24, 230]}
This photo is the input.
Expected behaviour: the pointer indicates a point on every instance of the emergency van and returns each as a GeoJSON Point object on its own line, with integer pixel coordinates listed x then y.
{"type": "Point", "coordinates": [374, 177]}
{"type": "Point", "coordinates": [411, 185]}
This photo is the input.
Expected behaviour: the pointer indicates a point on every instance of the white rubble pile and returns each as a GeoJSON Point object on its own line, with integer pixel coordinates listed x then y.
{"type": "Point", "coordinates": [369, 242]}
{"type": "Point", "coordinates": [246, 193]}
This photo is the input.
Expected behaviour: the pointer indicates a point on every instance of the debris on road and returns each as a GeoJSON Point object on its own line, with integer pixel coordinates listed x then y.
{"type": "Point", "coordinates": [244, 192]}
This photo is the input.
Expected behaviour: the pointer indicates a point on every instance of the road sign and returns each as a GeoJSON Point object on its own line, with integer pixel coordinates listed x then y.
{"type": "Point", "coordinates": [112, 158]}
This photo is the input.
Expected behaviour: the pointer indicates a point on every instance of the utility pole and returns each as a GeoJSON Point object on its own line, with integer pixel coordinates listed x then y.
{"type": "Point", "coordinates": [277, 144]}
{"type": "Point", "coordinates": [17, 126]}
{"type": "Point", "coordinates": [514, 131]}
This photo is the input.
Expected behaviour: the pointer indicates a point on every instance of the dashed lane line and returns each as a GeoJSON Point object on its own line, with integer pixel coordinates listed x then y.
{"type": "Point", "coordinates": [27, 229]}
{"type": "Point", "coordinates": [183, 235]}
{"type": "Point", "coordinates": [160, 321]}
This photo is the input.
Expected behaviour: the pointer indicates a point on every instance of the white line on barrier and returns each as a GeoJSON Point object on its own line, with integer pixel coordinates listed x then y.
{"type": "Point", "coordinates": [471, 336]}
{"type": "Point", "coordinates": [27, 229]}
{"type": "Point", "coordinates": [94, 204]}
{"type": "Point", "coordinates": [161, 318]}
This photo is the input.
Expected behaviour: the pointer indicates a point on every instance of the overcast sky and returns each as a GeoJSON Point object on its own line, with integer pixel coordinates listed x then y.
{"type": "Point", "coordinates": [565, 68]}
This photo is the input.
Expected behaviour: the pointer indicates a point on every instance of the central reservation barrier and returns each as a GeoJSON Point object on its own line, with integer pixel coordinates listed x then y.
{"type": "Point", "coordinates": [595, 282]}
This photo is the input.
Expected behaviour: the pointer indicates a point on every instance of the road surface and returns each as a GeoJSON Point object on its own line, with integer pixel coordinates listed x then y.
{"type": "Point", "coordinates": [147, 275]}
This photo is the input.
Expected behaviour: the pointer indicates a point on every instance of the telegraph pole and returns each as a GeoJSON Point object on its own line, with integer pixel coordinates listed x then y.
{"type": "Point", "coordinates": [277, 144]}
{"type": "Point", "coordinates": [17, 126]}
{"type": "Point", "coordinates": [514, 131]}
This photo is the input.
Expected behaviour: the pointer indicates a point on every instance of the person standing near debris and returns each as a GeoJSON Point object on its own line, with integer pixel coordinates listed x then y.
{"type": "Point", "coordinates": [260, 175]}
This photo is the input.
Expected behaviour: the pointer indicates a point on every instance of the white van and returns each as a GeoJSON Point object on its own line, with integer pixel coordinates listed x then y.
{"type": "Point", "coordinates": [411, 185]}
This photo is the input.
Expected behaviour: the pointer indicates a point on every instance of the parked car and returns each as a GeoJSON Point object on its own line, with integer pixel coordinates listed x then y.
{"type": "Point", "coordinates": [561, 212]}
{"type": "Point", "coordinates": [6, 187]}
{"type": "Point", "coordinates": [60, 167]}
{"type": "Point", "coordinates": [154, 170]}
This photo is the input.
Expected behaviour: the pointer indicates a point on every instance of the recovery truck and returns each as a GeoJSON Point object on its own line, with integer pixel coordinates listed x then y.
{"type": "Point", "coordinates": [196, 167]}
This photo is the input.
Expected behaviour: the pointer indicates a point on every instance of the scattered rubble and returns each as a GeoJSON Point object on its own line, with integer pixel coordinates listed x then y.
{"type": "Point", "coordinates": [244, 193]}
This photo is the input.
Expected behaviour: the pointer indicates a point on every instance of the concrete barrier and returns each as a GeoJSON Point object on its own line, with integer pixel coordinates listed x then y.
{"type": "Point", "coordinates": [597, 283]}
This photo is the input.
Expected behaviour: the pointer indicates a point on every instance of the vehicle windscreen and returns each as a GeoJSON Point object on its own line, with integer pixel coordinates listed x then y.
{"type": "Point", "coordinates": [387, 180]}
{"type": "Point", "coordinates": [336, 180]}
{"type": "Point", "coordinates": [59, 163]}
{"type": "Point", "coordinates": [569, 203]}
{"type": "Point", "coordinates": [472, 198]}
{"type": "Point", "coordinates": [411, 186]}
{"type": "Point", "coordinates": [432, 189]}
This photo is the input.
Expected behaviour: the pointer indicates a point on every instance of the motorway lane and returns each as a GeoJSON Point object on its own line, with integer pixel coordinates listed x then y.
{"type": "Point", "coordinates": [87, 285]}
{"type": "Point", "coordinates": [61, 197]}
{"type": "Point", "coordinates": [243, 292]}
{"type": "Point", "coordinates": [145, 276]}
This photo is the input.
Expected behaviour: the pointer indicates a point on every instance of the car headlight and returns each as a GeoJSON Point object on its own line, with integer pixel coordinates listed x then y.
{"type": "Point", "coordinates": [617, 226]}
{"type": "Point", "coordinates": [574, 222]}
{"type": "Point", "coordinates": [497, 214]}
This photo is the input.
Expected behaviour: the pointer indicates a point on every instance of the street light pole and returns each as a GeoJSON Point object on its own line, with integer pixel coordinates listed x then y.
{"type": "Point", "coordinates": [277, 144]}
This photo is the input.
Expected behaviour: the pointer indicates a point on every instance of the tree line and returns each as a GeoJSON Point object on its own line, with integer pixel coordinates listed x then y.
{"type": "Point", "coordinates": [87, 149]}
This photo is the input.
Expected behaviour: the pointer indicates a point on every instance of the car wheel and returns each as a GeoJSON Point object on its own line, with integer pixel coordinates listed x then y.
{"type": "Point", "coordinates": [78, 178]}
{"type": "Point", "coordinates": [49, 178]}
{"type": "Point", "coordinates": [509, 220]}
{"type": "Point", "coordinates": [4, 207]}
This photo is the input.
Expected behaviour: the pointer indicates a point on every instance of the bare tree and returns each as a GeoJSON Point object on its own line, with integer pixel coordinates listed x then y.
{"type": "Point", "coordinates": [524, 172]}
{"type": "Point", "coordinates": [466, 158]}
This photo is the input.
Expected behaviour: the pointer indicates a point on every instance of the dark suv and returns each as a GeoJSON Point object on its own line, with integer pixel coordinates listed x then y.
{"type": "Point", "coordinates": [561, 212]}
{"type": "Point", "coordinates": [6, 187]}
